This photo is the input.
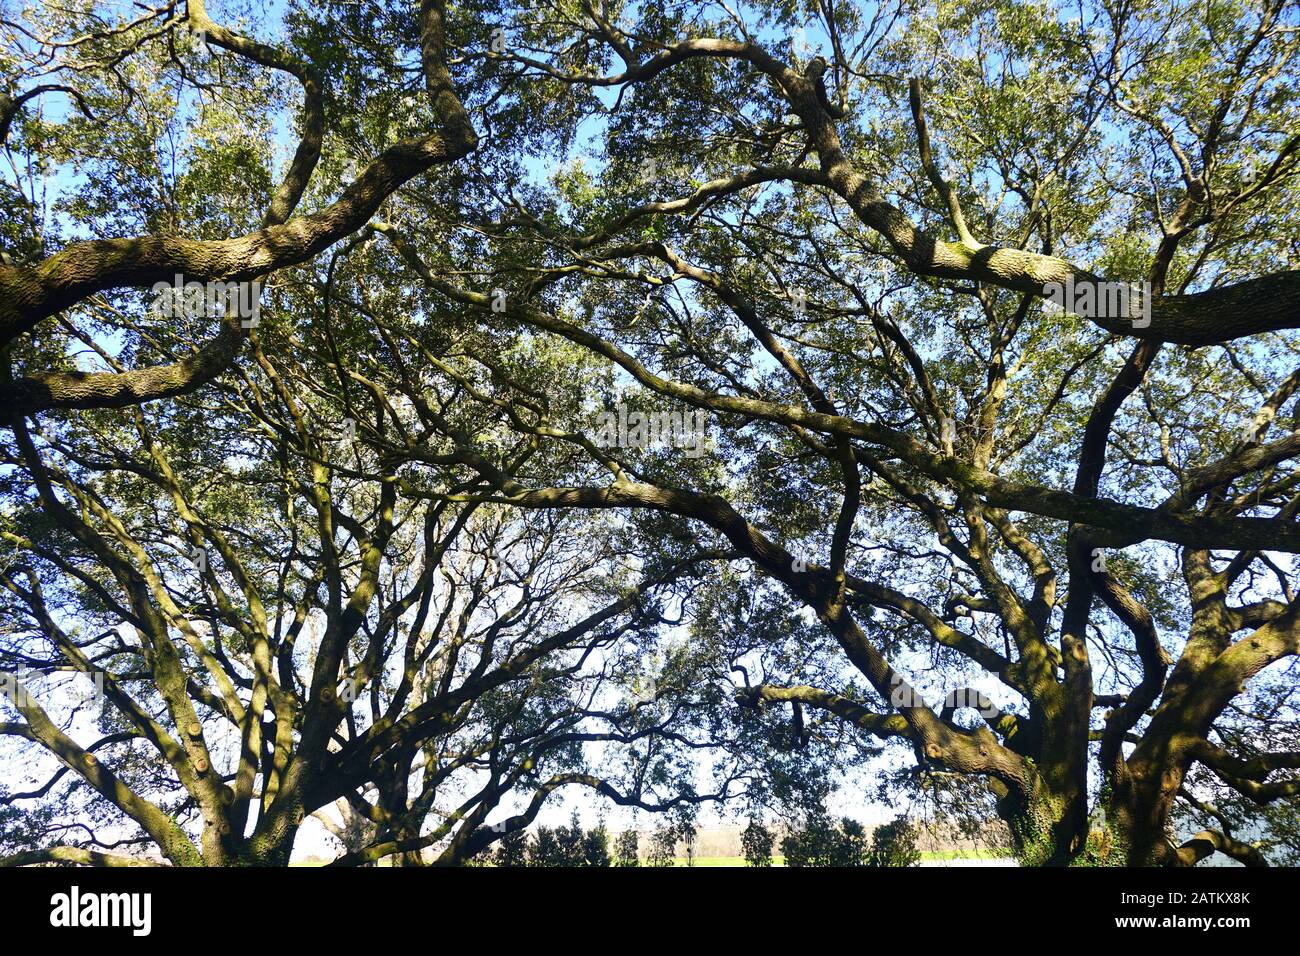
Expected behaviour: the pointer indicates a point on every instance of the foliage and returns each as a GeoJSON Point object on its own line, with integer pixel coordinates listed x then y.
{"type": "Point", "coordinates": [663, 846]}
{"type": "Point", "coordinates": [756, 843]}
{"type": "Point", "coordinates": [894, 844]}
{"type": "Point", "coordinates": [627, 850]}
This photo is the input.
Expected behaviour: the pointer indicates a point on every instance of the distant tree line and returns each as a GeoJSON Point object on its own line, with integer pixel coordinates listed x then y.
{"type": "Point", "coordinates": [573, 846]}
{"type": "Point", "coordinates": [554, 846]}
{"type": "Point", "coordinates": [820, 841]}
{"type": "Point", "coordinates": [817, 841]}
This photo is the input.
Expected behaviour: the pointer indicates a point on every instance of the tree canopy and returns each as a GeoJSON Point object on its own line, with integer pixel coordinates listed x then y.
{"type": "Point", "coordinates": [429, 408]}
